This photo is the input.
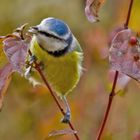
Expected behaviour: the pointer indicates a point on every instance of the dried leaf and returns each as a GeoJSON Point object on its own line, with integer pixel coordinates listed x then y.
{"type": "Point", "coordinates": [19, 32]}
{"type": "Point", "coordinates": [113, 34]}
{"type": "Point", "coordinates": [122, 81]}
{"type": "Point", "coordinates": [16, 50]}
{"type": "Point", "coordinates": [5, 78]}
{"type": "Point", "coordinates": [3, 58]}
{"type": "Point", "coordinates": [136, 136]}
{"type": "Point", "coordinates": [124, 54]}
{"type": "Point", "coordinates": [21, 28]}
{"type": "Point", "coordinates": [16, 34]}
{"type": "Point", "coordinates": [61, 132]}
{"type": "Point", "coordinates": [92, 9]}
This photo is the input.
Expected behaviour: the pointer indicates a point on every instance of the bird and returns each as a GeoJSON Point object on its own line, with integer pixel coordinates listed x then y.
{"type": "Point", "coordinates": [55, 47]}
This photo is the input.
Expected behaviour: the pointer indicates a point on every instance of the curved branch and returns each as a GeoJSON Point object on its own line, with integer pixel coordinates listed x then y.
{"type": "Point", "coordinates": [37, 67]}
{"type": "Point", "coordinates": [112, 94]}
{"type": "Point", "coordinates": [129, 14]}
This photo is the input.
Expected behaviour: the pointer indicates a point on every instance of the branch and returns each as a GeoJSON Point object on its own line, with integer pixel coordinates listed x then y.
{"type": "Point", "coordinates": [128, 14]}
{"type": "Point", "coordinates": [37, 67]}
{"type": "Point", "coordinates": [112, 94]}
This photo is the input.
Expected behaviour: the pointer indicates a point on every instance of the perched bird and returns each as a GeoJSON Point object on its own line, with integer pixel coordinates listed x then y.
{"type": "Point", "coordinates": [60, 54]}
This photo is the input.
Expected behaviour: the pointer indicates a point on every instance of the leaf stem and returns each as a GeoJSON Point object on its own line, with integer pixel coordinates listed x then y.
{"type": "Point", "coordinates": [112, 93]}
{"type": "Point", "coordinates": [37, 67]}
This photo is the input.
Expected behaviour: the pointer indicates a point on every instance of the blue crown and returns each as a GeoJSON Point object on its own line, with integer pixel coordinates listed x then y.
{"type": "Point", "coordinates": [57, 26]}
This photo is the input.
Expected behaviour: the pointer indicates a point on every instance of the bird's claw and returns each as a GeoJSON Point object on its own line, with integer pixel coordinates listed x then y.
{"type": "Point", "coordinates": [27, 73]}
{"type": "Point", "coordinates": [32, 59]}
{"type": "Point", "coordinates": [29, 66]}
{"type": "Point", "coordinates": [31, 63]}
{"type": "Point", "coordinates": [66, 118]}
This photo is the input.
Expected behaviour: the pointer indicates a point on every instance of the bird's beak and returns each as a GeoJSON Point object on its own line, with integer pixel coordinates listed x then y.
{"type": "Point", "coordinates": [33, 29]}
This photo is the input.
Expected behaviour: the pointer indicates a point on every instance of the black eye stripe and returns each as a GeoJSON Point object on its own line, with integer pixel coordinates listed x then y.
{"type": "Point", "coordinates": [50, 35]}
{"type": "Point", "coordinates": [60, 52]}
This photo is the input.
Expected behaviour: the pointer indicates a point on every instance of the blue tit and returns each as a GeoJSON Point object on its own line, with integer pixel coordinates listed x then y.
{"type": "Point", "coordinates": [54, 45]}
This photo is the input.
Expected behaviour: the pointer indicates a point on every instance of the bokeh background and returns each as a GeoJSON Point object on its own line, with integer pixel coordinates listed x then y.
{"type": "Point", "coordinates": [30, 113]}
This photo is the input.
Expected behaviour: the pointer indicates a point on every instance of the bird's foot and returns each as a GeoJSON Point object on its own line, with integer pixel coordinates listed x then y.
{"type": "Point", "coordinates": [66, 118]}
{"type": "Point", "coordinates": [32, 59]}
{"type": "Point", "coordinates": [27, 73]}
{"type": "Point", "coordinates": [29, 66]}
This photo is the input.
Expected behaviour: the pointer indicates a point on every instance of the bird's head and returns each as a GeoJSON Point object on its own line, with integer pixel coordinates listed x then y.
{"type": "Point", "coordinates": [53, 35]}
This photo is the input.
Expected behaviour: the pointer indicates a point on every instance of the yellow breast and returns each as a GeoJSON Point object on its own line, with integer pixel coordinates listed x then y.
{"type": "Point", "coordinates": [62, 72]}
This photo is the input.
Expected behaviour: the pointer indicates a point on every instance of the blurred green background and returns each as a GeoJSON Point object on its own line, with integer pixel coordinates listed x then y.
{"type": "Point", "coordinates": [30, 113]}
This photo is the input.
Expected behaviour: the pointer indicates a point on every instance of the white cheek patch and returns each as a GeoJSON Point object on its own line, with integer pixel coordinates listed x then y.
{"type": "Point", "coordinates": [51, 44]}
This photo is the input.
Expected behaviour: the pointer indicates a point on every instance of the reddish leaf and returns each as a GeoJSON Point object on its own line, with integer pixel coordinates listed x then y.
{"type": "Point", "coordinates": [92, 9]}
{"type": "Point", "coordinates": [5, 78]}
{"type": "Point", "coordinates": [124, 56]}
{"type": "Point", "coordinates": [3, 58]}
{"type": "Point", "coordinates": [113, 34]}
{"type": "Point", "coordinates": [61, 132]}
{"type": "Point", "coordinates": [16, 50]}
{"type": "Point", "coordinates": [137, 136]}
{"type": "Point", "coordinates": [122, 81]}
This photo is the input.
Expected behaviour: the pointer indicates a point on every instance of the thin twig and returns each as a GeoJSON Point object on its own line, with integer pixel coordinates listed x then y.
{"type": "Point", "coordinates": [112, 94]}
{"type": "Point", "coordinates": [37, 67]}
{"type": "Point", "coordinates": [108, 106]}
{"type": "Point", "coordinates": [128, 14]}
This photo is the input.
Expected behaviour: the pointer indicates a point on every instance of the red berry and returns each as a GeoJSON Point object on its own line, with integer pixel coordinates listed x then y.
{"type": "Point", "coordinates": [133, 40]}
